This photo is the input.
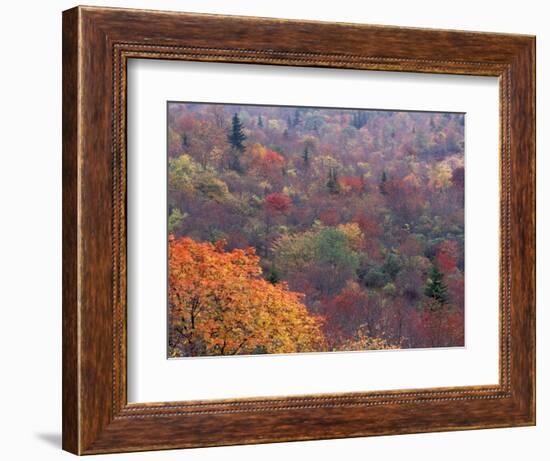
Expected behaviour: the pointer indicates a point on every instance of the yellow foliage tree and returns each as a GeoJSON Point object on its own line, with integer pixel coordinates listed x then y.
{"type": "Point", "coordinates": [353, 233]}
{"type": "Point", "coordinates": [362, 341]}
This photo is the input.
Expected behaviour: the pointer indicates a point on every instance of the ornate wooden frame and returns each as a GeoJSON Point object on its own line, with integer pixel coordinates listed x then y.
{"type": "Point", "coordinates": [97, 43]}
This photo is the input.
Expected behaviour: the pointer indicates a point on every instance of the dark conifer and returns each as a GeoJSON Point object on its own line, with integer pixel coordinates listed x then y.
{"type": "Point", "coordinates": [333, 185]}
{"type": "Point", "coordinates": [435, 286]}
{"type": "Point", "coordinates": [236, 136]}
{"type": "Point", "coordinates": [383, 183]}
{"type": "Point", "coordinates": [184, 141]}
{"type": "Point", "coordinates": [296, 120]}
{"type": "Point", "coordinates": [305, 156]}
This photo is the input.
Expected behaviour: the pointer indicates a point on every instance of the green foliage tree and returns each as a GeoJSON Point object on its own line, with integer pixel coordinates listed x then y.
{"type": "Point", "coordinates": [328, 254]}
{"type": "Point", "coordinates": [211, 187]}
{"type": "Point", "coordinates": [435, 286]}
{"type": "Point", "coordinates": [332, 249]}
{"type": "Point", "coordinates": [375, 278]}
{"type": "Point", "coordinates": [186, 176]}
{"type": "Point", "coordinates": [181, 172]}
{"type": "Point", "coordinates": [392, 265]}
{"type": "Point", "coordinates": [175, 218]}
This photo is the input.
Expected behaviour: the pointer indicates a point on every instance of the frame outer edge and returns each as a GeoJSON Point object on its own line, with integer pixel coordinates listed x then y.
{"type": "Point", "coordinates": [90, 420]}
{"type": "Point", "coordinates": [523, 233]}
{"type": "Point", "coordinates": [70, 190]}
{"type": "Point", "coordinates": [533, 52]}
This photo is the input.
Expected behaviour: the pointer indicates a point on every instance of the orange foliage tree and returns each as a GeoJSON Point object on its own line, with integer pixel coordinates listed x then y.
{"type": "Point", "coordinates": [219, 305]}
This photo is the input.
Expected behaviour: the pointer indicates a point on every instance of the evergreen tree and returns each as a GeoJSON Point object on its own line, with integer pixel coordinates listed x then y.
{"type": "Point", "coordinates": [260, 121]}
{"type": "Point", "coordinates": [359, 119]}
{"type": "Point", "coordinates": [305, 156]}
{"type": "Point", "coordinates": [332, 184]}
{"type": "Point", "coordinates": [296, 120]}
{"type": "Point", "coordinates": [273, 276]}
{"type": "Point", "coordinates": [184, 141]}
{"type": "Point", "coordinates": [236, 136]}
{"type": "Point", "coordinates": [435, 287]}
{"type": "Point", "coordinates": [382, 184]}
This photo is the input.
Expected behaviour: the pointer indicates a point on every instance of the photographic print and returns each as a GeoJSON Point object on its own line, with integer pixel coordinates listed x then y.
{"type": "Point", "coordinates": [309, 229]}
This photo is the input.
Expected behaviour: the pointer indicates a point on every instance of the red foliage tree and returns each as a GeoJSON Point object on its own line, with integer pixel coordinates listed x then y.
{"type": "Point", "coordinates": [455, 285]}
{"type": "Point", "coordinates": [353, 184]}
{"type": "Point", "coordinates": [265, 162]}
{"type": "Point", "coordinates": [277, 203]}
{"type": "Point", "coordinates": [447, 256]}
{"type": "Point", "coordinates": [344, 313]}
{"type": "Point", "coordinates": [369, 226]}
{"type": "Point", "coordinates": [437, 326]}
{"type": "Point", "coordinates": [272, 157]}
{"type": "Point", "coordinates": [371, 230]}
{"type": "Point", "coordinates": [404, 196]}
{"type": "Point", "coordinates": [185, 123]}
{"type": "Point", "coordinates": [329, 217]}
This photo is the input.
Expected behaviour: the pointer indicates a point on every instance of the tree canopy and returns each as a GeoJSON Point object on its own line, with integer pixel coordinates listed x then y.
{"type": "Point", "coordinates": [352, 219]}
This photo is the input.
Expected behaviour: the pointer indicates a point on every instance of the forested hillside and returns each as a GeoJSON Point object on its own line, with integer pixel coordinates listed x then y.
{"type": "Point", "coordinates": [307, 229]}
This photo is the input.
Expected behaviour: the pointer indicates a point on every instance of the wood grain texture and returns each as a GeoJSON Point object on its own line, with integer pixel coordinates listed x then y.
{"type": "Point", "coordinates": [70, 384]}
{"type": "Point", "coordinates": [97, 43]}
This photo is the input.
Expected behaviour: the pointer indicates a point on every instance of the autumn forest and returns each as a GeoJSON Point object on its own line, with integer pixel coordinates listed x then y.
{"type": "Point", "coordinates": [297, 229]}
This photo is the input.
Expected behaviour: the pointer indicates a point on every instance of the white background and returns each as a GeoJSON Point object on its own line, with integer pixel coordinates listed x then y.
{"type": "Point", "coordinates": [153, 378]}
{"type": "Point", "coordinates": [30, 243]}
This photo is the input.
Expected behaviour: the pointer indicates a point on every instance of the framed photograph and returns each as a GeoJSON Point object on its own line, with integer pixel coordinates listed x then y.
{"type": "Point", "coordinates": [282, 230]}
